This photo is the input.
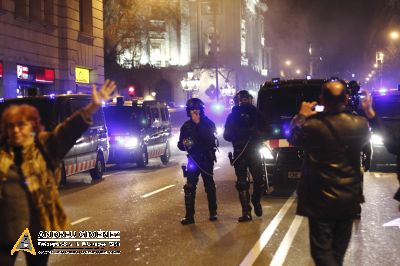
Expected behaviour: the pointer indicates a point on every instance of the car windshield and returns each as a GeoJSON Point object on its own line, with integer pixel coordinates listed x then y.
{"type": "Point", "coordinates": [121, 119]}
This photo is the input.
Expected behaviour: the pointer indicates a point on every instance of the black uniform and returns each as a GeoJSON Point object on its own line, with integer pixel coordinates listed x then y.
{"type": "Point", "coordinates": [201, 157]}
{"type": "Point", "coordinates": [245, 128]}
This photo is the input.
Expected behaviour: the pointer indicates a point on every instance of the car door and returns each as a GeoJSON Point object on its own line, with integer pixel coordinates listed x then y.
{"type": "Point", "coordinates": [86, 145]}
{"type": "Point", "coordinates": [63, 110]}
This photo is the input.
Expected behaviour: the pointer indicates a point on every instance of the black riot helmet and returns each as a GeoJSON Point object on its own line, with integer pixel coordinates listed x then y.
{"type": "Point", "coordinates": [353, 87]}
{"type": "Point", "coordinates": [194, 103]}
{"type": "Point", "coordinates": [243, 96]}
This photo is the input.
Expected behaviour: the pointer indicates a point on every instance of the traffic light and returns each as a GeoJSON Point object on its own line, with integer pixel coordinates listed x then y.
{"type": "Point", "coordinates": [131, 91]}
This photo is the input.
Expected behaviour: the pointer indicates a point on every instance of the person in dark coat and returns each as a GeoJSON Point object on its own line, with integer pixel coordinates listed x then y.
{"type": "Point", "coordinates": [246, 128]}
{"type": "Point", "coordinates": [197, 138]}
{"type": "Point", "coordinates": [390, 132]}
{"type": "Point", "coordinates": [30, 171]}
{"type": "Point", "coordinates": [331, 183]}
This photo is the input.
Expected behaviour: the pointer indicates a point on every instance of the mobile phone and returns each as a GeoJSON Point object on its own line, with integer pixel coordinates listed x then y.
{"type": "Point", "coordinates": [319, 108]}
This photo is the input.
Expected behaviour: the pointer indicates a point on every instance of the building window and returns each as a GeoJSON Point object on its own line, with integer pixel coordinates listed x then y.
{"type": "Point", "coordinates": [48, 11]}
{"type": "Point", "coordinates": [86, 17]}
{"type": "Point", "coordinates": [35, 10]}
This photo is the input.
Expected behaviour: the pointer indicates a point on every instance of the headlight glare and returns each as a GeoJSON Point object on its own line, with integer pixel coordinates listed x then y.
{"type": "Point", "coordinates": [266, 153]}
{"type": "Point", "coordinates": [377, 140]}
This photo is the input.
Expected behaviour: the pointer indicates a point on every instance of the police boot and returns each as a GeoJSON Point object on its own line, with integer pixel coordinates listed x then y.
{"type": "Point", "coordinates": [244, 197]}
{"type": "Point", "coordinates": [212, 203]}
{"type": "Point", "coordinates": [255, 199]}
{"type": "Point", "coordinates": [190, 195]}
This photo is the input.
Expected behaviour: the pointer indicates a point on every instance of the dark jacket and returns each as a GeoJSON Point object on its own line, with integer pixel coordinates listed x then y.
{"type": "Point", "coordinates": [29, 194]}
{"type": "Point", "coordinates": [331, 182]}
{"type": "Point", "coordinates": [202, 136]}
{"type": "Point", "coordinates": [390, 132]}
{"type": "Point", "coordinates": [244, 124]}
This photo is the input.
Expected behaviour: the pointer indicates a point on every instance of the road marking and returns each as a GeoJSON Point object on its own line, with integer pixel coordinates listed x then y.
{"type": "Point", "coordinates": [267, 234]}
{"type": "Point", "coordinates": [395, 222]}
{"type": "Point", "coordinates": [281, 253]}
{"type": "Point", "coordinates": [106, 175]}
{"type": "Point", "coordinates": [217, 167]}
{"type": "Point", "coordinates": [80, 220]}
{"type": "Point", "coordinates": [157, 191]}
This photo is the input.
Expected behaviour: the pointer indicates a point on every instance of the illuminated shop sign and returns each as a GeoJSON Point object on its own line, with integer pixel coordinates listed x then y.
{"type": "Point", "coordinates": [1, 69]}
{"type": "Point", "coordinates": [35, 74]}
{"type": "Point", "coordinates": [82, 75]}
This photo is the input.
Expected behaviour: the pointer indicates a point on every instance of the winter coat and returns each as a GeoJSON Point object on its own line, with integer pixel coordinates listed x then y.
{"type": "Point", "coordinates": [331, 182]}
{"type": "Point", "coordinates": [29, 194]}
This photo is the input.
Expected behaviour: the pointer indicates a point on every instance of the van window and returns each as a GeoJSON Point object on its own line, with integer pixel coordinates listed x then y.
{"type": "Point", "coordinates": [163, 114]}
{"type": "Point", "coordinates": [155, 114]}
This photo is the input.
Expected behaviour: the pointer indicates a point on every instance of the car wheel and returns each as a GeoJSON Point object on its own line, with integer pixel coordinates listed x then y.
{"type": "Point", "coordinates": [63, 180]}
{"type": "Point", "coordinates": [167, 154]}
{"type": "Point", "coordinates": [97, 172]}
{"type": "Point", "coordinates": [143, 159]}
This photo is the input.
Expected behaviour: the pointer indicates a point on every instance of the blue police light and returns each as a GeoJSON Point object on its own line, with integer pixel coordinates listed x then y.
{"type": "Point", "coordinates": [382, 91]}
{"type": "Point", "coordinates": [217, 108]}
{"type": "Point", "coordinates": [308, 77]}
{"type": "Point", "coordinates": [276, 80]}
{"type": "Point", "coordinates": [1, 100]}
{"type": "Point", "coordinates": [52, 96]}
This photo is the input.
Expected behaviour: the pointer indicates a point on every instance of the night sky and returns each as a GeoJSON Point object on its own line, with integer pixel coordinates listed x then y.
{"type": "Point", "coordinates": [343, 31]}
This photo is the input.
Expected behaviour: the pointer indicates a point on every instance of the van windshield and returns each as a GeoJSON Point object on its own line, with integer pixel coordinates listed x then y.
{"type": "Point", "coordinates": [122, 119]}
{"type": "Point", "coordinates": [283, 103]}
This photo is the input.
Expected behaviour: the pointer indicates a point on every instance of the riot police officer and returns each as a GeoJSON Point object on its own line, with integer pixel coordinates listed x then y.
{"type": "Point", "coordinates": [245, 128]}
{"type": "Point", "coordinates": [197, 138]}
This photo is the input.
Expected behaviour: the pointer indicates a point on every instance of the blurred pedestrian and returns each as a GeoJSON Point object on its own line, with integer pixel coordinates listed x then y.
{"type": "Point", "coordinates": [331, 183]}
{"type": "Point", "coordinates": [245, 128]}
{"type": "Point", "coordinates": [390, 132]}
{"type": "Point", "coordinates": [30, 171]}
{"type": "Point", "coordinates": [197, 138]}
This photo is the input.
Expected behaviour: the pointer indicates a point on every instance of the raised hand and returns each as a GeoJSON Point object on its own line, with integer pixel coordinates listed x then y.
{"type": "Point", "coordinates": [366, 105]}
{"type": "Point", "coordinates": [306, 109]}
{"type": "Point", "coordinates": [100, 96]}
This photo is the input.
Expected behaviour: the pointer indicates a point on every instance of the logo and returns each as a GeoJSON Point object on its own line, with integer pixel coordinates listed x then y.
{"type": "Point", "coordinates": [24, 243]}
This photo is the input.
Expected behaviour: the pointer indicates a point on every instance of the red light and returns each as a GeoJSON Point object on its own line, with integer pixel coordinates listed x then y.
{"type": "Point", "coordinates": [131, 89]}
{"type": "Point", "coordinates": [1, 70]}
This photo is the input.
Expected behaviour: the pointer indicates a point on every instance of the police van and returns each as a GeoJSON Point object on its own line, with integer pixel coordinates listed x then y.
{"type": "Point", "coordinates": [279, 101]}
{"type": "Point", "coordinates": [138, 131]}
{"type": "Point", "coordinates": [90, 152]}
{"type": "Point", "coordinates": [387, 106]}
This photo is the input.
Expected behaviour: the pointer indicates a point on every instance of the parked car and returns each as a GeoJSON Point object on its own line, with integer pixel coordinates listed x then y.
{"type": "Point", "coordinates": [138, 131]}
{"type": "Point", "coordinates": [90, 152]}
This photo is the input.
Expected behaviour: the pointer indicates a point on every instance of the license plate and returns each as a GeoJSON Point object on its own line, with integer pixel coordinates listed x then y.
{"type": "Point", "coordinates": [294, 175]}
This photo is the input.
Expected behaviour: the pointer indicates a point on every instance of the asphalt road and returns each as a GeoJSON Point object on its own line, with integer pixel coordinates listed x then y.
{"type": "Point", "coordinates": [146, 205]}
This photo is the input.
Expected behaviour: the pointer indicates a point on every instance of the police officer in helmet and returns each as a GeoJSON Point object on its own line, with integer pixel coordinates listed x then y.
{"type": "Point", "coordinates": [197, 138]}
{"type": "Point", "coordinates": [245, 128]}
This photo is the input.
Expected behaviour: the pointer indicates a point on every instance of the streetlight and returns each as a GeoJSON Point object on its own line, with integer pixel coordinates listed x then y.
{"type": "Point", "coordinates": [153, 94]}
{"type": "Point", "coordinates": [288, 63]}
{"type": "Point", "coordinates": [190, 84]}
{"type": "Point", "coordinates": [298, 71]}
{"type": "Point", "coordinates": [394, 35]}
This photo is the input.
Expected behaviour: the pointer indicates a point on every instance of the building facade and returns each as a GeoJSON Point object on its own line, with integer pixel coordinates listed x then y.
{"type": "Point", "coordinates": [50, 46]}
{"type": "Point", "coordinates": [219, 46]}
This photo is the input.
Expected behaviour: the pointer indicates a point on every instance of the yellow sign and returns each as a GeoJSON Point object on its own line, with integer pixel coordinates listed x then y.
{"type": "Point", "coordinates": [82, 75]}
{"type": "Point", "coordinates": [24, 243]}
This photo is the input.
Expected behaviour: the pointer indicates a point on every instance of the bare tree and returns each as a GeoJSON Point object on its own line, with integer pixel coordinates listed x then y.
{"type": "Point", "coordinates": [127, 23]}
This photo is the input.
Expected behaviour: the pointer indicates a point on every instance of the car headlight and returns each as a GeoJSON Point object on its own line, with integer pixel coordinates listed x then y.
{"type": "Point", "coordinates": [377, 140]}
{"type": "Point", "coordinates": [220, 131]}
{"type": "Point", "coordinates": [266, 153]}
{"type": "Point", "coordinates": [129, 142]}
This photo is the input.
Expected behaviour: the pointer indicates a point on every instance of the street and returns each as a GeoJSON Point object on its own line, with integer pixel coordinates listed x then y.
{"type": "Point", "coordinates": [146, 205]}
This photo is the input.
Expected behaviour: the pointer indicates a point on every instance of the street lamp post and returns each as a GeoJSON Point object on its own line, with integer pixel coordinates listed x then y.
{"type": "Point", "coordinates": [190, 84]}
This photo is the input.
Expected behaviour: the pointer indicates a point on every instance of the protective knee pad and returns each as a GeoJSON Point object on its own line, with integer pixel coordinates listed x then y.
{"type": "Point", "coordinates": [242, 185]}
{"type": "Point", "coordinates": [189, 189]}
